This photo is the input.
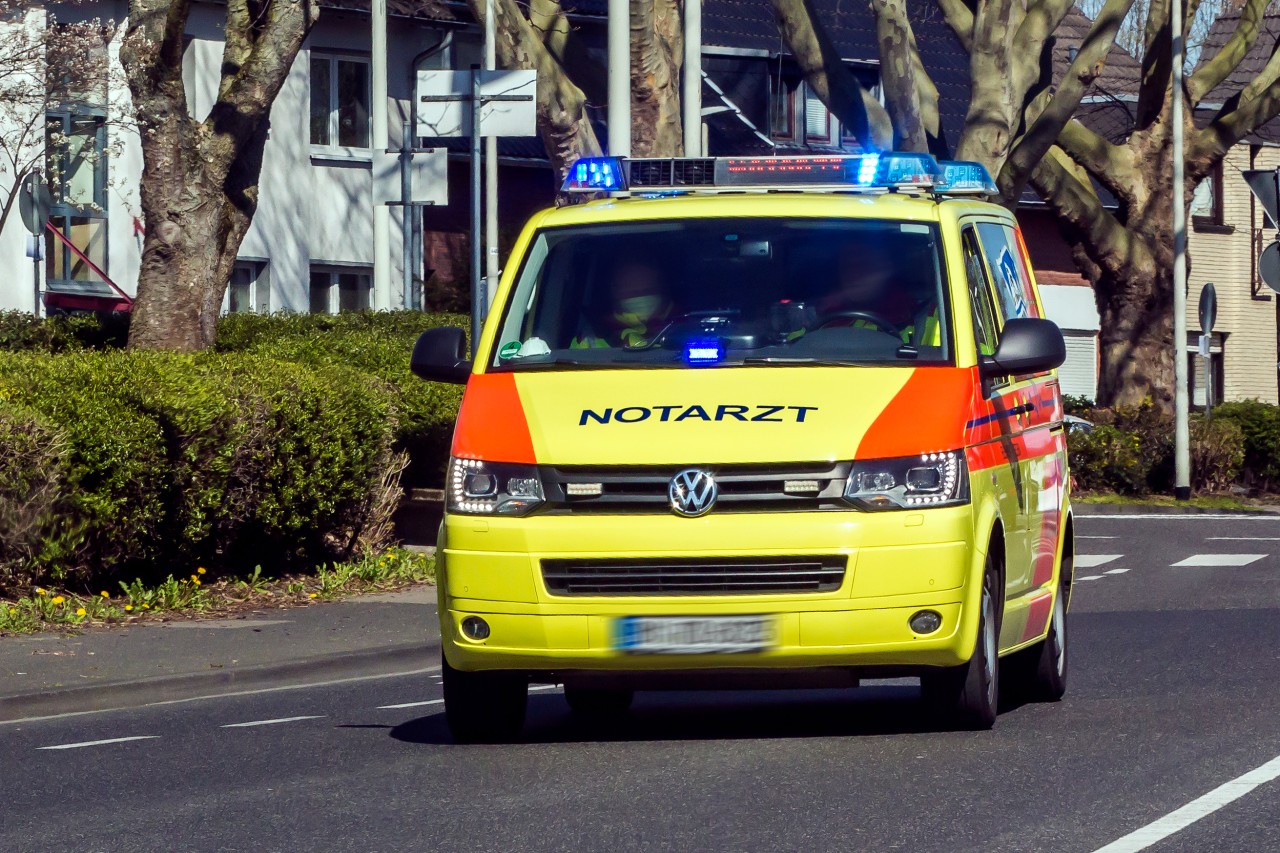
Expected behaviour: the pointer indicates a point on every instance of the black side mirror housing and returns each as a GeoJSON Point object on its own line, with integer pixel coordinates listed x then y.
{"type": "Point", "coordinates": [1027, 345]}
{"type": "Point", "coordinates": [440, 355]}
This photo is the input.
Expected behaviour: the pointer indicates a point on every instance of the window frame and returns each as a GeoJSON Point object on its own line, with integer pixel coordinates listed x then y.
{"type": "Point", "coordinates": [332, 148]}
{"type": "Point", "coordinates": [1215, 221]}
{"type": "Point", "coordinates": [832, 133]}
{"type": "Point", "coordinates": [333, 298]}
{"type": "Point", "coordinates": [62, 212]}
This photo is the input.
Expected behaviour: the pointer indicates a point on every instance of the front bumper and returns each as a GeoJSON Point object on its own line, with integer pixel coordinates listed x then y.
{"type": "Point", "coordinates": [897, 564]}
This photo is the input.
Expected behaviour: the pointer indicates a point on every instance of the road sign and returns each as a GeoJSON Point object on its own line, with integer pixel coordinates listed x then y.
{"type": "Point", "coordinates": [428, 177]}
{"type": "Point", "coordinates": [1269, 266]}
{"type": "Point", "coordinates": [34, 202]}
{"type": "Point", "coordinates": [1208, 308]}
{"type": "Point", "coordinates": [507, 103]}
{"type": "Point", "coordinates": [1265, 184]}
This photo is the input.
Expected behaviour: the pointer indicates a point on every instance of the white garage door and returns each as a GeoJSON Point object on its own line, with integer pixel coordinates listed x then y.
{"type": "Point", "coordinates": [1078, 376]}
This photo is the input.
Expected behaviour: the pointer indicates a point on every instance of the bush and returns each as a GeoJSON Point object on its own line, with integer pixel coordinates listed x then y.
{"type": "Point", "coordinates": [1260, 426]}
{"type": "Point", "coordinates": [221, 460]}
{"type": "Point", "coordinates": [1108, 459]}
{"type": "Point", "coordinates": [32, 475]}
{"type": "Point", "coordinates": [21, 332]}
{"type": "Point", "coordinates": [1217, 450]}
{"type": "Point", "coordinates": [1150, 431]}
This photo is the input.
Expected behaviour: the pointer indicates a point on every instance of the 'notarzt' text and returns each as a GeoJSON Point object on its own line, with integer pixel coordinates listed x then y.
{"type": "Point", "coordinates": [675, 414]}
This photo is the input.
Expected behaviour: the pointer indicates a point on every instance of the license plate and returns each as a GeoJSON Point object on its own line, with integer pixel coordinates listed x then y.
{"type": "Point", "coordinates": [694, 635]}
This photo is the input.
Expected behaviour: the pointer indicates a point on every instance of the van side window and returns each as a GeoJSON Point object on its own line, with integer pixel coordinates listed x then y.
{"type": "Point", "coordinates": [1004, 257]}
{"type": "Point", "coordinates": [984, 317]}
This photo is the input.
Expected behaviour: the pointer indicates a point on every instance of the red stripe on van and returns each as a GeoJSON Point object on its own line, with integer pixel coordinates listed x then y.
{"type": "Point", "coordinates": [928, 415]}
{"type": "Point", "coordinates": [1038, 617]}
{"type": "Point", "coordinates": [491, 423]}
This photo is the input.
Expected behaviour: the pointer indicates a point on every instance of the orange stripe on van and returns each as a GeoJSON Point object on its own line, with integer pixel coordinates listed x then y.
{"type": "Point", "coordinates": [1038, 617]}
{"type": "Point", "coordinates": [928, 415]}
{"type": "Point", "coordinates": [491, 423]}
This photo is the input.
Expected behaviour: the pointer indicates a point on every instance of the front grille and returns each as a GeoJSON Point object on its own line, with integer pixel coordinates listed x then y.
{"type": "Point", "coordinates": [742, 488]}
{"type": "Point", "coordinates": [694, 576]}
{"type": "Point", "coordinates": [656, 172]}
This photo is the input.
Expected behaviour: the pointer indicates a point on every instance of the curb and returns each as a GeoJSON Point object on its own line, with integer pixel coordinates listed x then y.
{"type": "Point", "coordinates": [1085, 510]}
{"type": "Point", "coordinates": [386, 661]}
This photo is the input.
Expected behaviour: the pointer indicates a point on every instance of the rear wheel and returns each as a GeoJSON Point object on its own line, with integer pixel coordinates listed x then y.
{"type": "Point", "coordinates": [968, 695]}
{"type": "Point", "coordinates": [598, 703]}
{"type": "Point", "coordinates": [484, 707]}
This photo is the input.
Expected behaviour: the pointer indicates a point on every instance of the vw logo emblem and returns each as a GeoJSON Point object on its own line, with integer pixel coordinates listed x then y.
{"type": "Point", "coordinates": [692, 492]}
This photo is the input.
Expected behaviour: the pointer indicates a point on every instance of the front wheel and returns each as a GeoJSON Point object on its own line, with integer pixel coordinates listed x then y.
{"type": "Point", "coordinates": [484, 707]}
{"type": "Point", "coordinates": [968, 695]}
{"type": "Point", "coordinates": [1040, 672]}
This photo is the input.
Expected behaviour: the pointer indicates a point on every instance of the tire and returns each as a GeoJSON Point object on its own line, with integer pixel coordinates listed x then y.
{"type": "Point", "coordinates": [484, 707]}
{"type": "Point", "coordinates": [597, 703]}
{"type": "Point", "coordinates": [1039, 674]}
{"type": "Point", "coordinates": [967, 696]}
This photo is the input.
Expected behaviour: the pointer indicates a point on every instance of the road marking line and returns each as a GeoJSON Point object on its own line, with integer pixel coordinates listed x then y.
{"type": "Point", "coordinates": [1243, 538]}
{"type": "Point", "coordinates": [270, 722]}
{"type": "Point", "coordinates": [1082, 536]}
{"type": "Point", "coordinates": [99, 742]}
{"type": "Point", "coordinates": [1115, 571]}
{"type": "Point", "coordinates": [1201, 807]}
{"type": "Point", "coordinates": [1088, 578]}
{"type": "Point", "coordinates": [1092, 561]}
{"type": "Point", "coordinates": [441, 701]}
{"type": "Point", "coordinates": [1219, 560]}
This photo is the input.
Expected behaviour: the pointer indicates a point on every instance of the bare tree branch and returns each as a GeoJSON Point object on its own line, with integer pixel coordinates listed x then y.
{"type": "Point", "coordinates": [1157, 64]}
{"type": "Point", "coordinates": [828, 78]}
{"type": "Point", "coordinates": [1258, 103]}
{"type": "Point", "coordinates": [903, 77]}
{"type": "Point", "coordinates": [1207, 77]}
{"type": "Point", "coordinates": [960, 19]}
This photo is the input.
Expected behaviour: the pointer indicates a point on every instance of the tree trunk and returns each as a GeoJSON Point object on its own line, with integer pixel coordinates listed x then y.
{"type": "Point", "coordinates": [657, 55]}
{"type": "Point", "coordinates": [1136, 337]}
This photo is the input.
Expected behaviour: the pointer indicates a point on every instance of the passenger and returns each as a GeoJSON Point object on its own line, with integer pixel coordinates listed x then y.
{"type": "Point", "coordinates": [870, 280]}
{"type": "Point", "coordinates": [641, 306]}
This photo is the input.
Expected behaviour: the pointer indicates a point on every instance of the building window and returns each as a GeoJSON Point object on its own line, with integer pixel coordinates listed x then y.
{"type": "Point", "coordinates": [340, 97]}
{"type": "Point", "coordinates": [1206, 201]}
{"type": "Point", "coordinates": [1196, 370]}
{"type": "Point", "coordinates": [76, 168]}
{"type": "Point", "coordinates": [339, 290]}
{"type": "Point", "coordinates": [782, 107]}
{"type": "Point", "coordinates": [249, 290]}
{"type": "Point", "coordinates": [818, 123]}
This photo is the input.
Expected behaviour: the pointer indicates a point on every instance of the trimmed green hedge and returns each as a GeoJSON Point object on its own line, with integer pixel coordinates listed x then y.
{"type": "Point", "coordinates": [146, 464]}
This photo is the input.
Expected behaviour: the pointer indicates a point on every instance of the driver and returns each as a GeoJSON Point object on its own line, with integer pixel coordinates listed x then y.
{"type": "Point", "coordinates": [641, 305]}
{"type": "Point", "coordinates": [866, 275]}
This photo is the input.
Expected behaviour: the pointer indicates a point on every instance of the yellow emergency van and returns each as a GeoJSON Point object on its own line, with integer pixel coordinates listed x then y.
{"type": "Point", "coordinates": [756, 421]}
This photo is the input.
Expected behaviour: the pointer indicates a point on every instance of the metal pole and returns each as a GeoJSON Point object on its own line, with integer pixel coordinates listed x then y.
{"type": "Point", "coordinates": [407, 212]}
{"type": "Point", "coordinates": [619, 43]}
{"type": "Point", "coordinates": [477, 292]}
{"type": "Point", "coordinates": [491, 171]}
{"type": "Point", "coordinates": [692, 94]}
{"type": "Point", "coordinates": [35, 273]}
{"type": "Point", "coordinates": [381, 212]}
{"type": "Point", "coordinates": [1181, 428]}
{"type": "Point", "coordinates": [1208, 380]}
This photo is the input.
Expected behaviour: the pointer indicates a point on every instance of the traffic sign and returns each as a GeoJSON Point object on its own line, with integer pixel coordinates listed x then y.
{"type": "Point", "coordinates": [1265, 184]}
{"type": "Point", "coordinates": [507, 106]}
{"type": "Point", "coordinates": [1208, 308]}
{"type": "Point", "coordinates": [34, 203]}
{"type": "Point", "coordinates": [1269, 266]}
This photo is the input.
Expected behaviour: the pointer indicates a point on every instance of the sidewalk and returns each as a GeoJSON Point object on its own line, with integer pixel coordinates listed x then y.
{"type": "Point", "coordinates": [101, 668]}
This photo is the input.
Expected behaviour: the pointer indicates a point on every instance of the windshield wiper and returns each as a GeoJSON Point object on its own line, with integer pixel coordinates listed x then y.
{"type": "Point", "coordinates": [800, 360]}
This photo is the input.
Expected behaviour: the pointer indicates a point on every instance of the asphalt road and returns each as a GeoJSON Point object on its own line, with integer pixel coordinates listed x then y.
{"type": "Point", "coordinates": [1175, 690]}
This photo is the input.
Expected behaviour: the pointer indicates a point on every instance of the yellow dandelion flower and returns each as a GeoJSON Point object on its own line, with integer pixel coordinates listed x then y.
{"type": "Point", "coordinates": [146, 607]}
{"type": "Point", "coordinates": [57, 599]}
{"type": "Point", "coordinates": [196, 581]}
{"type": "Point", "coordinates": [128, 608]}
{"type": "Point", "coordinates": [106, 594]}
{"type": "Point", "coordinates": [80, 611]}
{"type": "Point", "coordinates": [312, 595]}
{"type": "Point", "coordinates": [200, 571]}
{"type": "Point", "coordinates": [40, 591]}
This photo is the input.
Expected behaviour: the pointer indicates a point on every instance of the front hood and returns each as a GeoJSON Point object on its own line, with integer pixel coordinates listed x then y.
{"type": "Point", "coordinates": [721, 415]}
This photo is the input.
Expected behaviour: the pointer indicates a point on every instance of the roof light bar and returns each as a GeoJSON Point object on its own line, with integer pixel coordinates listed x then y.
{"type": "Point", "coordinates": [966, 177]}
{"type": "Point", "coordinates": [887, 170]}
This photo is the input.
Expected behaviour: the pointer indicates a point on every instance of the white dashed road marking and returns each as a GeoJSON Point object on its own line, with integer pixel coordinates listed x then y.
{"type": "Point", "coordinates": [1115, 571]}
{"type": "Point", "coordinates": [1220, 560]}
{"type": "Point", "coordinates": [1082, 536]}
{"type": "Point", "coordinates": [100, 742]}
{"type": "Point", "coordinates": [1243, 538]}
{"type": "Point", "coordinates": [1193, 811]}
{"type": "Point", "coordinates": [441, 701]}
{"type": "Point", "coordinates": [269, 722]}
{"type": "Point", "coordinates": [1092, 561]}
{"type": "Point", "coordinates": [1088, 578]}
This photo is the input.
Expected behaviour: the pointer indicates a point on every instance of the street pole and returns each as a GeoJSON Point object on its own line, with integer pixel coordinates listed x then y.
{"type": "Point", "coordinates": [619, 89]}
{"type": "Point", "coordinates": [381, 213]}
{"type": "Point", "coordinates": [692, 94]}
{"type": "Point", "coordinates": [491, 170]}
{"type": "Point", "coordinates": [1181, 426]}
{"type": "Point", "coordinates": [477, 291]}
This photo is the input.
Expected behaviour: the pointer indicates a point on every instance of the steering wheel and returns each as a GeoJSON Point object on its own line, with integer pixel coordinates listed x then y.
{"type": "Point", "coordinates": [870, 316]}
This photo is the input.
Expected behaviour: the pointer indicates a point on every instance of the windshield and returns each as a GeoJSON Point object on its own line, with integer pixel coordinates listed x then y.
{"type": "Point", "coordinates": [728, 292]}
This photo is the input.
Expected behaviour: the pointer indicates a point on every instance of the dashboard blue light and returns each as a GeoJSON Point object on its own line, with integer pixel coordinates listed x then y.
{"type": "Point", "coordinates": [595, 174]}
{"type": "Point", "coordinates": [963, 176]}
{"type": "Point", "coordinates": [704, 351]}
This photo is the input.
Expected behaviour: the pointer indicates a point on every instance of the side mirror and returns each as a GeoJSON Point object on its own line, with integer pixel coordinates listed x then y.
{"type": "Point", "coordinates": [1027, 345]}
{"type": "Point", "coordinates": [441, 356]}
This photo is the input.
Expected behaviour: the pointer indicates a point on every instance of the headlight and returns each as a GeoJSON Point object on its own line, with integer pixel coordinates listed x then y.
{"type": "Point", "coordinates": [909, 482]}
{"type": "Point", "coordinates": [492, 488]}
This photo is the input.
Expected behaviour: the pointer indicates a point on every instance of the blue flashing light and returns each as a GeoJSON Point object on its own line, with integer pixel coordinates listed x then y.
{"type": "Point", "coordinates": [963, 176]}
{"type": "Point", "coordinates": [704, 351]}
{"type": "Point", "coordinates": [867, 168]}
{"type": "Point", "coordinates": [595, 174]}
{"type": "Point", "coordinates": [901, 170]}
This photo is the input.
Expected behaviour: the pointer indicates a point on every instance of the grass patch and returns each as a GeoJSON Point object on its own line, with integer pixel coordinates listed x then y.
{"type": "Point", "coordinates": [1225, 502]}
{"type": "Point", "coordinates": [200, 595]}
